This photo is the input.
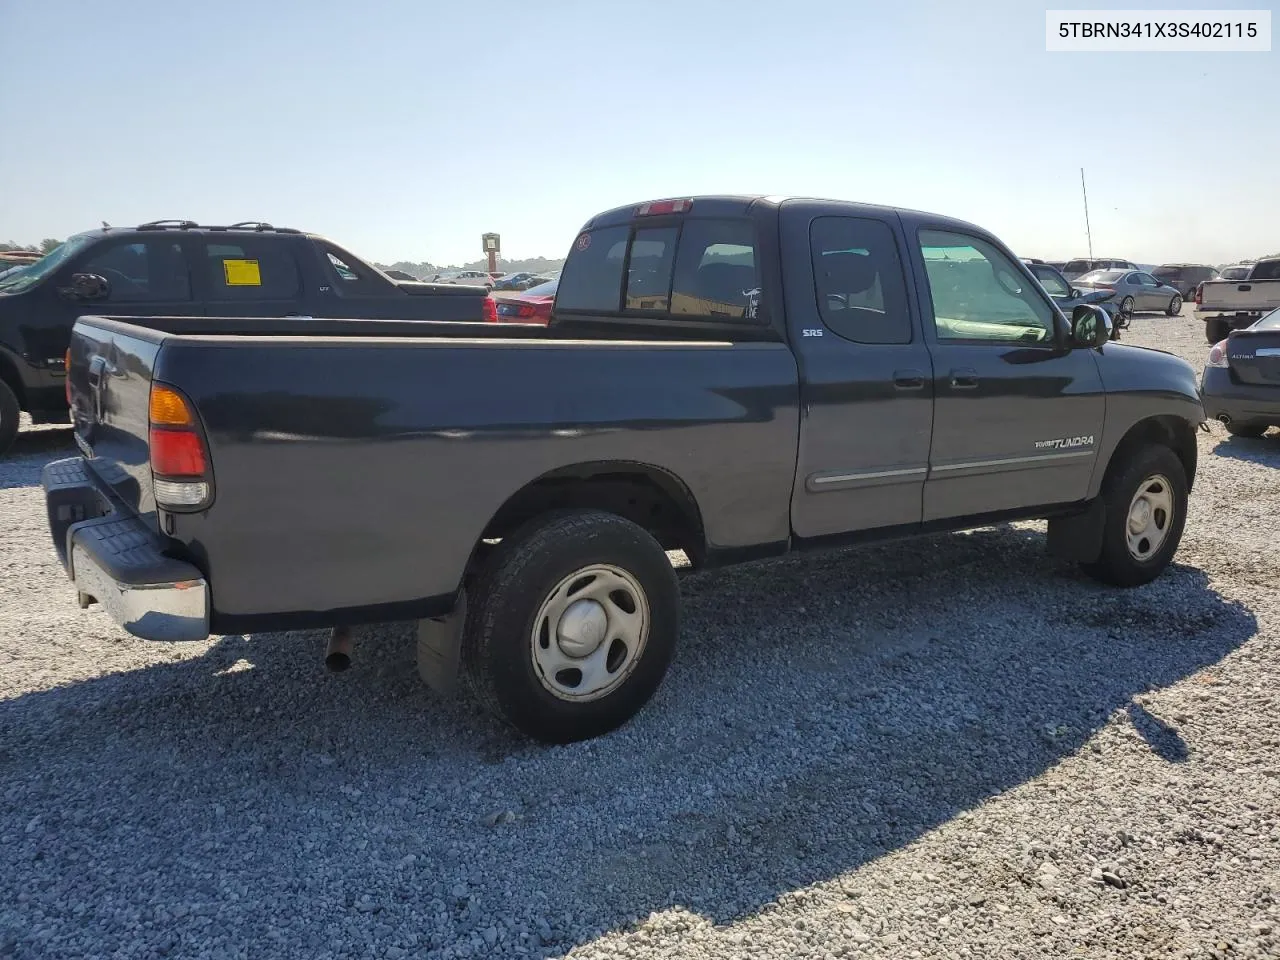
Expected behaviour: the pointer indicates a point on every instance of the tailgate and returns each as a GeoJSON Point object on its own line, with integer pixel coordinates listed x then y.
{"type": "Point", "coordinates": [109, 379]}
{"type": "Point", "coordinates": [1254, 356]}
{"type": "Point", "coordinates": [1240, 295]}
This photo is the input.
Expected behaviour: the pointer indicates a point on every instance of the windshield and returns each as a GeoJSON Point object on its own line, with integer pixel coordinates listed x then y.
{"type": "Point", "coordinates": [28, 276]}
{"type": "Point", "coordinates": [1102, 276]}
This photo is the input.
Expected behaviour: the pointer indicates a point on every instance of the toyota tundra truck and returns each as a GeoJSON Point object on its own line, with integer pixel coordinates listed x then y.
{"type": "Point", "coordinates": [732, 377]}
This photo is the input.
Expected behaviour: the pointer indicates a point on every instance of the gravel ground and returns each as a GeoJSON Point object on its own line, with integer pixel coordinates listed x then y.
{"type": "Point", "coordinates": [953, 747]}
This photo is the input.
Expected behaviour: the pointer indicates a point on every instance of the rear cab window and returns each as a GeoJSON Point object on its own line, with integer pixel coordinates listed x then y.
{"type": "Point", "coordinates": [678, 268]}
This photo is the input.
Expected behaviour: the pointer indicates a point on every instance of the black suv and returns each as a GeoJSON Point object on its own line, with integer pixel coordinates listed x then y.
{"type": "Point", "coordinates": [179, 268]}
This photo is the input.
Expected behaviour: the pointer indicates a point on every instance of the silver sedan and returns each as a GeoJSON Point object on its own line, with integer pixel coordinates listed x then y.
{"type": "Point", "coordinates": [1134, 290]}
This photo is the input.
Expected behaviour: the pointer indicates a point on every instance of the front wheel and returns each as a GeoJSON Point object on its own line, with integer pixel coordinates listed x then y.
{"type": "Point", "coordinates": [1175, 306]}
{"type": "Point", "coordinates": [573, 626]}
{"type": "Point", "coordinates": [9, 412]}
{"type": "Point", "coordinates": [1145, 506]}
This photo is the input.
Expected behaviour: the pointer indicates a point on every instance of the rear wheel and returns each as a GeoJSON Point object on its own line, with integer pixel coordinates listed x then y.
{"type": "Point", "coordinates": [1126, 306]}
{"type": "Point", "coordinates": [1246, 428]}
{"type": "Point", "coordinates": [9, 411]}
{"type": "Point", "coordinates": [572, 626]}
{"type": "Point", "coordinates": [1145, 507]}
{"type": "Point", "coordinates": [1216, 330]}
{"type": "Point", "coordinates": [1175, 306]}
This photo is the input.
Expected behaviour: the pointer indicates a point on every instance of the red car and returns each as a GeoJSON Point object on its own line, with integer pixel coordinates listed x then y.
{"type": "Point", "coordinates": [529, 306]}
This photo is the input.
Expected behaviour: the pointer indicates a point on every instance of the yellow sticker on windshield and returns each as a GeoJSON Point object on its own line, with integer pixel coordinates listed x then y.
{"type": "Point", "coordinates": [242, 273]}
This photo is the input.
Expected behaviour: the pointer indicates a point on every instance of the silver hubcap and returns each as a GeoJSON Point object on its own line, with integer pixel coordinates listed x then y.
{"type": "Point", "coordinates": [1126, 305]}
{"type": "Point", "coordinates": [589, 633]}
{"type": "Point", "coordinates": [1176, 305]}
{"type": "Point", "coordinates": [1150, 517]}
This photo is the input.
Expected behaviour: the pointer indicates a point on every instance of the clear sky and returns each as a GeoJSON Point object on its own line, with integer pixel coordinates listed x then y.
{"type": "Point", "coordinates": [406, 129]}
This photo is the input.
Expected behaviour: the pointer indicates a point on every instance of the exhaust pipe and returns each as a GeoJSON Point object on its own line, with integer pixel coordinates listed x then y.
{"type": "Point", "coordinates": [1224, 418]}
{"type": "Point", "coordinates": [338, 656]}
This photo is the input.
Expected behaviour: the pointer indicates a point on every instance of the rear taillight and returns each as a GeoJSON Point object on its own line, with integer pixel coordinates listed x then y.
{"type": "Point", "coordinates": [527, 310]}
{"type": "Point", "coordinates": [179, 460]}
{"type": "Point", "coordinates": [490, 310]}
{"type": "Point", "coordinates": [1199, 293]}
{"type": "Point", "coordinates": [1218, 354]}
{"type": "Point", "coordinates": [66, 373]}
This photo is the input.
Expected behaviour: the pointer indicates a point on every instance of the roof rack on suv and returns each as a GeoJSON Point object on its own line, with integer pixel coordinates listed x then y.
{"type": "Point", "coordinates": [259, 226]}
{"type": "Point", "coordinates": [163, 224]}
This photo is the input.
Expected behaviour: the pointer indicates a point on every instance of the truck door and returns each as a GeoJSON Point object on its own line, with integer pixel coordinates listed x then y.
{"type": "Point", "coordinates": [866, 387]}
{"type": "Point", "coordinates": [1018, 412]}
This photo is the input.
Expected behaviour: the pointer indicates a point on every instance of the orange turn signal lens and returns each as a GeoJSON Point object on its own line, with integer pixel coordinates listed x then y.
{"type": "Point", "coordinates": [168, 409]}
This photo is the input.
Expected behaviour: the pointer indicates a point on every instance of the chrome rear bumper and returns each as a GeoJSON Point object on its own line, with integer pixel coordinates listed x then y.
{"type": "Point", "coordinates": [113, 558]}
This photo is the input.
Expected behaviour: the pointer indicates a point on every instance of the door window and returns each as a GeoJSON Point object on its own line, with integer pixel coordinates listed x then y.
{"type": "Point", "coordinates": [857, 273]}
{"type": "Point", "coordinates": [142, 271]}
{"type": "Point", "coordinates": [250, 269]}
{"type": "Point", "coordinates": [716, 273]}
{"type": "Point", "coordinates": [978, 294]}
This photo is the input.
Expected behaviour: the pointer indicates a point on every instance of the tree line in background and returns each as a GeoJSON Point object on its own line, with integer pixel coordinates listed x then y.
{"type": "Point", "coordinates": [425, 271]}
{"type": "Point", "coordinates": [45, 246]}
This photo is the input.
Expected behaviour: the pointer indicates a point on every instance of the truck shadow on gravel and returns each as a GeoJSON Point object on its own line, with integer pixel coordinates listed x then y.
{"type": "Point", "coordinates": [31, 450]}
{"type": "Point", "coordinates": [823, 711]}
{"type": "Point", "coordinates": [1260, 450]}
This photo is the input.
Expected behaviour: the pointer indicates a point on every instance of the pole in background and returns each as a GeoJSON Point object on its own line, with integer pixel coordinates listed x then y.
{"type": "Point", "coordinates": [1087, 232]}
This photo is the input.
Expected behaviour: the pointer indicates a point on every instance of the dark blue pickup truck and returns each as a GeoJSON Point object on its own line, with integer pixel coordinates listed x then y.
{"type": "Point", "coordinates": [734, 377]}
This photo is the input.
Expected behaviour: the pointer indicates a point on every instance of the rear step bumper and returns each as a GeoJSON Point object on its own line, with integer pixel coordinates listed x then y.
{"type": "Point", "coordinates": [113, 558]}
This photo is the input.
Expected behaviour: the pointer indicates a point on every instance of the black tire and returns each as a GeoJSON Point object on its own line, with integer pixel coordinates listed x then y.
{"type": "Point", "coordinates": [1216, 330]}
{"type": "Point", "coordinates": [1117, 565]}
{"type": "Point", "coordinates": [1175, 306]}
{"type": "Point", "coordinates": [1126, 306]}
{"type": "Point", "coordinates": [498, 654]}
{"type": "Point", "coordinates": [1246, 428]}
{"type": "Point", "coordinates": [9, 411]}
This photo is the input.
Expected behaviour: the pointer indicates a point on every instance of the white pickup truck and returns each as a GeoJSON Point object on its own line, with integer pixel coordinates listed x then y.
{"type": "Point", "coordinates": [1226, 305]}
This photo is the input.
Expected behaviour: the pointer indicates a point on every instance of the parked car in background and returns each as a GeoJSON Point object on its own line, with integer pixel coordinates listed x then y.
{"type": "Point", "coordinates": [1184, 277]}
{"type": "Point", "coordinates": [1233, 304]}
{"type": "Point", "coordinates": [1237, 271]}
{"type": "Point", "coordinates": [1078, 268]}
{"type": "Point", "coordinates": [472, 278]}
{"type": "Point", "coordinates": [1240, 385]}
{"type": "Point", "coordinates": [733, 377]}
{"type": "Point", "coordinates": [178, 268]}
{"type": "Point", "coordinates": [513, 281]}
{"type": "Point", "coordinates": [531, 306]}
{"type": "Point", "coordinates": [1068, 297]}
{"type": "Point", "coordinates": [1134, 291]}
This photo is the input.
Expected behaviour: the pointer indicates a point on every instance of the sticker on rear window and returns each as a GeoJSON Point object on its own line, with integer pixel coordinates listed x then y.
{"type": "Point", "coordinates": [242, 273]}
{"type": "Point", "coordinates": [584, 241]}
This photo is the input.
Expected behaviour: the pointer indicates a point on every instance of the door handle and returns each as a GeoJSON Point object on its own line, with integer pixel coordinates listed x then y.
{"type": "Point", "coordinates": [908, 380]}
{"type": "Point", "coordinates": [964, 378]}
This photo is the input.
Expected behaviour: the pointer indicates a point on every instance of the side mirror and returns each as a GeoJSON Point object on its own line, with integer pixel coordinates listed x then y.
{"type": "Point", "coordinates": [87, 286]}
{"type": "Point", "coordinates": [1090, 326]}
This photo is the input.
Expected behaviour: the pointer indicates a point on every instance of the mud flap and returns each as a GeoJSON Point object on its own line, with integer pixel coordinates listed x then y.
{"type": "Point", "coordinates": [1078, 536]}
{"type": "Point", "coordinates": [440, 649]}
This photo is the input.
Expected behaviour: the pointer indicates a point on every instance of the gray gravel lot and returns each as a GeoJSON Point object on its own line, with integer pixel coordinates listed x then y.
{"type": "Point", "coordinates": [952, 747]}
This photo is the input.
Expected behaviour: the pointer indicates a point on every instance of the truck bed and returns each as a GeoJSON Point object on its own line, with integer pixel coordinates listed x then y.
{"type": "Point", "coordinates": [341, 458]}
